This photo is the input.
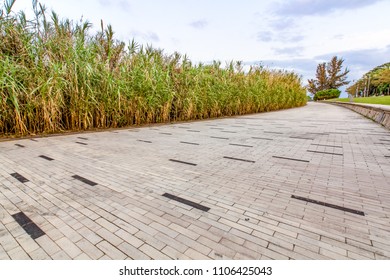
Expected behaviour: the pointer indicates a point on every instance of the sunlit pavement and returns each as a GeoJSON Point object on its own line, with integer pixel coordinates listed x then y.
{"type": "Point", "coordinates": [304, 183]}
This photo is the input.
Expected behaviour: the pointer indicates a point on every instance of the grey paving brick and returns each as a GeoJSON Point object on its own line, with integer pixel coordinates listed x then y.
{"type": "Point", "coordinates": [3, 254]}
{"type": "Point", "coordinates": [250, 253]}
{"type": "Point", "coordinates": [82, 256]}
{"type": "Point", "coordinates": [8, 242]}
{"type": "Point", "coordinates": [111, 251]}
{"type": "Point", "coordinates": [174, 254]}
{"type": "Point", "coordinates": [203, 249]}
{"type": "Point", "coordinates": [333, 255]}
{"type": "Point", "coordinates": [107, 225]}
{"type": "Point", "coordinates": [39, 254]}
{"type": "Point", "coordinates": [355, 256]}
{"type": "Point", "coordinates": [309, 253]}
{"type": "Point", "coordinates": [216, 247]}
{"type": "Point", "coordinates": [129, 238]}
{"type": "Point", "coordinates": [153, 253]}
{"type": "Point", "coordinates": [171, 242]}
{"type": "Point", "coordinates": [289, 253]}
{"type": "Point", "coordinates": [164, 229]}
{"type": "Point", "coordinates": [151, 240]}
{"type": "Point", "coordinates": [54, 234]}
{"type": "Point", "coordinates": [89, 249]}
{"type": "Point", "coordinates": [48, 245]}
{"type": "Point", "coordinates": [191, 234]}
{"type": "Point", "coordinates": [18, 254]}
{"type": "Point", "coordinates": [90, 235]}
{"type": "Point", "coordinates": [273, 255]}
{"type": "Point", "coordinates": [202, 232]}
{"type": "Point", "coordinates": [252, 214]}
{"type": "Point", "coordinates": [107, 235]}
{"type": "Point", "coordinates": [133, 252]}
{"type": "Point", "coordinates": [195, 255]}
{"type": "Point", "coordinates": [69, 247]}
{"type": "Point", "coordinates": [27, 243]}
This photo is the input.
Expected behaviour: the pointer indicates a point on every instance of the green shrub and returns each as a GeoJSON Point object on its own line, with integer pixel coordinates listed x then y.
{"type": "Point", "coordinates": [327, 94]}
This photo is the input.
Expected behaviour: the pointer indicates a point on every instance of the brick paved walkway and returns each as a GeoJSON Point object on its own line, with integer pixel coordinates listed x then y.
{"type": "Point", "coordinates": [304, 183]}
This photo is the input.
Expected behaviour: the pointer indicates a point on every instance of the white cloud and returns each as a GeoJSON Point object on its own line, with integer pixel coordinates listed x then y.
{"type": "Point", "coordinates": [265, 36]}
{"type": "Point", "coordinates": [290, 51]}
{"type": "Point", "coordinates": [123, 5]}
{"type": "Point", "coordinates": [148, 36]}
{"type": "Point", "coordinates": [199, 24]}
{"type": "Point", "coordinates": [319, 7]}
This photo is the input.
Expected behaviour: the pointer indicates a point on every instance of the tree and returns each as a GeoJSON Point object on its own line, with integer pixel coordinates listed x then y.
{"type": "Point", "coordinates": [381, 81]}
{"type": "Point", "coordinates": [336, 78]}
{"type": "Point", "coordinates": [321, 80]}
{"type": "Point", "coordinates": [328, 76]}
{"type": "Point", "coordinates": [374, 82]}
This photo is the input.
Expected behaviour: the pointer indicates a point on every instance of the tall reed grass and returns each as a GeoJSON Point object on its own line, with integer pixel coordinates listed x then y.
{"type": "Point", "coordinates": [56, 76]}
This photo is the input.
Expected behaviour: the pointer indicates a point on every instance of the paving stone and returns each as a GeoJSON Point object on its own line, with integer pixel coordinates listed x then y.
{"type": "Point", "coordinates": [151, 240]}
{"type": "Point", "coordinates": [164, 229]}
{"type": "Point", "coordinates": [107, 235]}
{"type": "Point", "coordinates": [89, 249]}
{"type": "Point", "coordinates": [69, 247]}
{"type": "Point", "coordinates": [310, 254]}
{"type": "Point", "coordinates": [27, 243]}
{"type": "Point", "coordinates": [39, 254]}
{"type": "Point", "coordinates": [48, 245]}
{"type": "Point", "coordinates": [252, 213]}
{"type": "Point", "coordinates": [240, 249]}
{"type": "Point", "coordinates": [174, 254]}
{"type": "Point", "coordinates": [18, 254]}
{"type": "Point", "coordinates": [195, 255]}
{"type": "Point", "coordinates": [289, 253]}
{"type": "Point", "coordinates": [205, 250]}
{"type": "Point", "coordinates": [90, 235]}
{"type": "Point", "coordinates": [105, 258]}
{"type": "Point", "coordinates": [82, 256]}
{"type": "Point", "coordinates": [3, 254]}
{"type": "Point", "coordinates": [153, 253]}
{"type": "Point", "coordinates": [217, 247]}
{"type": "Point", "coordinates": [133, 252]}
{"type": "Point", "coordinates": [129, 238]}
{"type": "Point", "coordinates": [333, 255]}
{"type": "Point", "coordinates": [107, 225]}
{"type": "Point", "coordinates": [191, 234]}
{"type": "Point", "coordinates": [8, 242]}
{"type": "Point", "coordinates": [111, 251]}
{"type": "Point", "coordinates": [180, 247]}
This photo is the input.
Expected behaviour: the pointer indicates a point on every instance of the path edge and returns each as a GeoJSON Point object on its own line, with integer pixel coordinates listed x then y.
{"type": "Point", "coordinates": [379, 115]}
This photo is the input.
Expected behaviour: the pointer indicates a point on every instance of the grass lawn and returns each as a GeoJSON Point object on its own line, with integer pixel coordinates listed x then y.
{"type": "Point", "coordinates": [384, 100]}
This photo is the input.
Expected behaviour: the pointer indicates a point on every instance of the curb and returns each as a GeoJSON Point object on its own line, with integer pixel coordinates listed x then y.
{"type": "Point", "coordinates": [379, 115]}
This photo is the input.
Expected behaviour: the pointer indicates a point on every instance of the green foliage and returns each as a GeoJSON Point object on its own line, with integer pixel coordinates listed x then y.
{"type": "Point", "coordinates": [327, 94]}
{"type": "Point", "coordinates": [383, 100]}
{"type": "Point", "coordinates": [55, 76]}
{"type": "Point", "coordinates": [328, 76]}
{"type": "Point", "coordinates": [320, 83]}
{"type": "Point", "coordinates": [374, 82]}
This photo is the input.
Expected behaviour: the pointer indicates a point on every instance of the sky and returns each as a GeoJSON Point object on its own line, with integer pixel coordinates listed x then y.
{"type": "Point", "coordinates": [285, 34]}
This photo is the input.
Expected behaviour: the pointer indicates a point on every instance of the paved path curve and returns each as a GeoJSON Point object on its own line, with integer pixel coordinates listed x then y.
{"type": "Point", "coordinates": [303, 183]}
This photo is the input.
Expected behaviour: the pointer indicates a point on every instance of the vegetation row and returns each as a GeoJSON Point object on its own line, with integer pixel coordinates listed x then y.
{"type": "Point", "coordinates": [327, 94]}
{"type": "Point", "coordinates": [58, 75]}
{"type": "Point", "coordinates": [374, 82]}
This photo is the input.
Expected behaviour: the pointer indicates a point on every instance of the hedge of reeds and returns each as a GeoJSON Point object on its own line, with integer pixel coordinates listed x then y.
{"type": "Point", "coordinates": [55, 76]}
